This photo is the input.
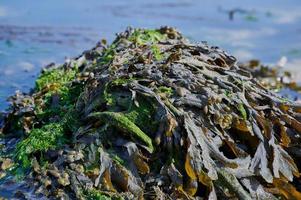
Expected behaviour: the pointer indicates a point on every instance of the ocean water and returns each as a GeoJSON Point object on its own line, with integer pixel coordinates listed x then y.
{"type": "Point", "coordinates": [36, 33]}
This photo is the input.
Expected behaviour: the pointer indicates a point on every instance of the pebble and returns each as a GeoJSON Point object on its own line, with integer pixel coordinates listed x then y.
{"type": "Point", "coordinates": [181, 91]}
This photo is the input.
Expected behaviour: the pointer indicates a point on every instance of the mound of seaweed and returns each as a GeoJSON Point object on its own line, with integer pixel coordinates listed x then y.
{"type": "Point", "coordinates": [153, 116]}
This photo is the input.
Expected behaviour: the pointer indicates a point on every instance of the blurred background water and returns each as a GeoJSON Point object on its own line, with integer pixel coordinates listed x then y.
{"type": "Point", "coordinates": [35, 33]}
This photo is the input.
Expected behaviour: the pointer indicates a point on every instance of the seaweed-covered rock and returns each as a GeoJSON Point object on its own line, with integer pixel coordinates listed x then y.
{"type": "Point", "coordinates": [153, 116]}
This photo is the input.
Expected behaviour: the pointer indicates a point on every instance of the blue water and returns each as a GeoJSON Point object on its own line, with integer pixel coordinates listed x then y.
{"type": "Point", "coordinates": [35, 33]}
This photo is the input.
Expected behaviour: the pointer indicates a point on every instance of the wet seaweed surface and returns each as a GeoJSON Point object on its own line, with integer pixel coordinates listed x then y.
{"type": "Point", "coordinates": [151, 116]}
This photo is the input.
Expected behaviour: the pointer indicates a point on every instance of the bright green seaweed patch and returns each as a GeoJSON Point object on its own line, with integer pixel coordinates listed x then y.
{"type": "Point", "coordinates": [107, 96]}
{"type": "Point", "coordinates": [242, 111]}
{"type": "Point", "coordinates": [59, 82]}
{"type": "Point", "coordinates": [108, 92]}
{"type": "Point", "coordinates": [121, 122]}
{"type": "Point", "coordinates": [48, 137]}
{"type": "Point", "coordinates": [58, 76]}
{"type": "Point", "coordinates": [165, 90]}
{"type": "Point", "coordinates": [142, 116]}
{"type": "Point", "coordinates": [108, 54]}
{"type": "Point", "coordinates": [52, 134]}
{"type": "Point", "coordinates": [140, 37]}
{"type": "Point", "coordinates": [67, 96]}
{"type": "Point", "coordinates": [116, 157]}
{"type": "Point", "coordinates": [145, 36]}
{"type": "Point", "coordinates": [157, 52]}
{"type": "Point", "coordinates": [94, 194]}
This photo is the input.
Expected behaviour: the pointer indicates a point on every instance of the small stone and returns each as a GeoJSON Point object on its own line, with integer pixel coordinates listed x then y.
{"type": "Point", "coordinates": [91, 75]}
{"type": "Point", "coordinates": [205, 109]}
{"type": "Point", "coordinates": [181, 91]}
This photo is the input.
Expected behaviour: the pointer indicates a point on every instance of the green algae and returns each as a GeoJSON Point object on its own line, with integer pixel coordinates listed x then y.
{"type": "Point", "coordinates": [157, 52]}
{"type": "Point", "coordinates": [139, 37]}
{"type": "Point", "coordinates": [39, 140]}
{"type": "Point", "coordinates": [242, 111]}
{"type": "Point", "coordinates": [108, 55]}
{"type": "Point", "coordinates": [67, 96]}
{"type": "Point", "coordinates": [142, 115]}
{"type": "Point", "coordinates": [165, 90]}
{"type": "Point", "coordinates": [57, 76]}
{"type": "Point", "coordinates": [52, 134]}
{"type": "Point", "coordinates": [93, 194]}
{"type": "Point", "coordinates": [49, 137]}
{"type": "Point", "coordinates": [121, 122]}
{"type": "Point", "coordinates": [133, 113]}
{"type": "Point", "coordinates": [147, 36]}
{"type": "Point", "coordinates": [116, 157]}
{"type": "Point", "coordinates": [121, 81]}
{"type": "Point", "coordinates": [57, 83]}
{"type": "Point", "coordinates": [108, 93]}
{"type": "Point", "coordinates": [107, 96]}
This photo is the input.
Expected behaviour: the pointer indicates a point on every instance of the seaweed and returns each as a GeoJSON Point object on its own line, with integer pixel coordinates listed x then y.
{"type": "Point", "coordinates": [57, 76]}
{"type": "Point", "coordinates": [98, 195]}
{"type": "Point", "coordinates": [156, 116]}
{"type": "Point", "coordinates": [146, 36]}
{"type": "Point", "coordinates": [50, 136]}
{"type": "Point", "coordinates": [121, 122]}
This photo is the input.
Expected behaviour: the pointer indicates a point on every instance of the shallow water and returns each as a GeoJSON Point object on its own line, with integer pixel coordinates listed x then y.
{"type": "Point", "coordinates": [35, 33]}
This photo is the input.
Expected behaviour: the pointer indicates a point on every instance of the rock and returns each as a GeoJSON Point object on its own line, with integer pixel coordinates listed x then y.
{"type": "Point", "coordinates": [181, 91]}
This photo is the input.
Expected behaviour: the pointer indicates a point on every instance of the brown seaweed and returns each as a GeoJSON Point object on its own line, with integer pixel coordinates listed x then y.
{"type": "Point", "coordinates": [155, 116]}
